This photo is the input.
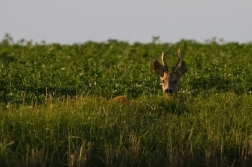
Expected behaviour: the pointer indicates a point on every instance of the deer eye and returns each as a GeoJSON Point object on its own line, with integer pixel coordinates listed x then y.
{"type": "Point", "coordinates": [162, 81]}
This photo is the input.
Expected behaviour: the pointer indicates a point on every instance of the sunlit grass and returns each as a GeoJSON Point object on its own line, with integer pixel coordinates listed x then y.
{"type": "Point", "coordinates": [208, 130]}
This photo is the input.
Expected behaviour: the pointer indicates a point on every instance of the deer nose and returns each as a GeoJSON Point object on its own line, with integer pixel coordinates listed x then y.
{"type": "Point", "coordinates": [168, 91]}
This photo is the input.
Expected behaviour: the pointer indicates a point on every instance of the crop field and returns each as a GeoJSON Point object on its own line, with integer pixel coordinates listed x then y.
{"type": "Point", "coordinates": [56, 106]}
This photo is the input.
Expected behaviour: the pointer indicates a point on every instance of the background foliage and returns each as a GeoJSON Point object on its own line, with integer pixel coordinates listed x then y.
{"type": "Point", "coordinates": [114, 67]}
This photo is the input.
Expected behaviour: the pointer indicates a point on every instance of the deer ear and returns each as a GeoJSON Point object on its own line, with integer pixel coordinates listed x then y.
{"type": "Point", "coordinates": [159, 69]}
{"type": "Point", "coordinates": [181, 69]}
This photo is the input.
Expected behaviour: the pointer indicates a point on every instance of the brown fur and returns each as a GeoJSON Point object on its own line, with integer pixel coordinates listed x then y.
{"type": "Point", "coordinates": [121, 99]}
{"type": "Point", "coordinates": [170, 79]}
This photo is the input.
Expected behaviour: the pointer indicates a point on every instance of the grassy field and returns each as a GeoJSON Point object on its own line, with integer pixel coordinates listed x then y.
{"type": "Point", "coordinates": [56, 107]}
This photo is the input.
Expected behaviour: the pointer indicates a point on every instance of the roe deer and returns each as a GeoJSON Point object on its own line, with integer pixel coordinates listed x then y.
{"type": "Point", "coordinates": [170, 79]}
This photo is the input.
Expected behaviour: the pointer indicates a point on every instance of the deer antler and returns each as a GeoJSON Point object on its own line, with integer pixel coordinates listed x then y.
{"type": "Point", "coordinates": [165, 67]}
{"type": "Point", "coordinates": [180, 68]}
{"type": "Point", "coordinates": [178, 60]}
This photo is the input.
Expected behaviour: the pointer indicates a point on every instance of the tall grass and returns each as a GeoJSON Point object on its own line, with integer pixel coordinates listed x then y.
{"type": "Point", "coordinates": [212, 129]}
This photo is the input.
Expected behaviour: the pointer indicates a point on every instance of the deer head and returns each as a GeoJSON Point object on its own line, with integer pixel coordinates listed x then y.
{"type": "Point", "coordinates": [170, 79]}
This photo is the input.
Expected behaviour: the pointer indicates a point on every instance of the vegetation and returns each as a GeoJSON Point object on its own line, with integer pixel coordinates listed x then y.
{"type": "Point", "coordinates": [56, 107]}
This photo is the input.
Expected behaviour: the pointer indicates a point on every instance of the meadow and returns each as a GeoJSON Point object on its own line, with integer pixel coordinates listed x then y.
{"type": "Point", "coordinates": [56, 107]}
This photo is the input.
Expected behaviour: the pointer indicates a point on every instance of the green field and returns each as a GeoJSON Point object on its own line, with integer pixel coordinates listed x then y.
{"type": "Point", "coordinates": [56, 107]}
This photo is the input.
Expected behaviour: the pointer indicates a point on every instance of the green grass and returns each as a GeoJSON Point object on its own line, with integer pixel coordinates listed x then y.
{"type": "Point", "coordinates": [56, 107]}
{"type": "Point", "coordinates": [156, 131]}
